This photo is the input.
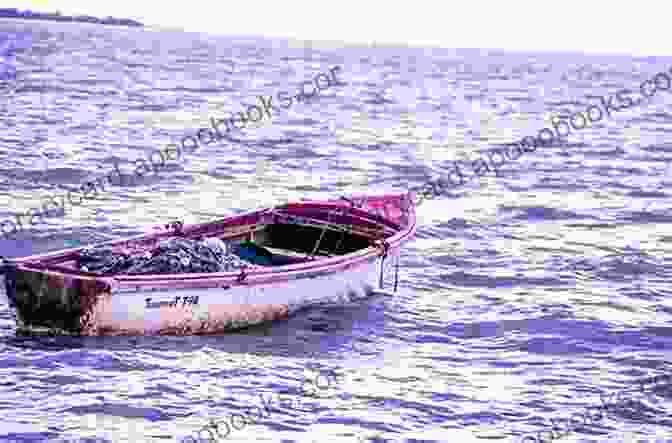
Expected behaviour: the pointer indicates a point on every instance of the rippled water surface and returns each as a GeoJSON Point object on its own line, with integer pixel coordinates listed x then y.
{"type": "Point", "coordinates": [523, 297]}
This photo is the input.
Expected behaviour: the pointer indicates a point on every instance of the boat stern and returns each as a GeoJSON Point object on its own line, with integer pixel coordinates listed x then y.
{"type": "Point", "coordinates": [48, 301]}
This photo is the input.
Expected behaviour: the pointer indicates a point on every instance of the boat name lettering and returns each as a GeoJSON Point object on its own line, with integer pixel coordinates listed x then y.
{"type": "Point", "coordinates": [186, 300]}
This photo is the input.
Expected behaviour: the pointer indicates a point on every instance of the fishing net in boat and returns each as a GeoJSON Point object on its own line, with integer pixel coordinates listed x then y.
{"type": "Point", "coordinates": [171, 256]}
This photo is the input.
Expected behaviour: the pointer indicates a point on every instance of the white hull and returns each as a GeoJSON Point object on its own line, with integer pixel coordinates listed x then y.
{"type": "Point", "coordinates": [130, 311]}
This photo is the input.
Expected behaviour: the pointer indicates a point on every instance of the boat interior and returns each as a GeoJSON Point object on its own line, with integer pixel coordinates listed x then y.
{"type": "Point", "coordinates": [301, 241]}
{"type": "Point", "coordinates": [290, 239]}
{"type": "Point", "coordinates": [276, 237]}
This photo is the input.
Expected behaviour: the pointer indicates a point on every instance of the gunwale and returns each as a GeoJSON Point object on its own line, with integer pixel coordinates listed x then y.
{"type": "Point", "coordinates": [256, 275]}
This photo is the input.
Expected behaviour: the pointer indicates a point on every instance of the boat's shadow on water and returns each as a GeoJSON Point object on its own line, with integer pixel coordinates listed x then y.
{"type": "Point", "coordinates": [308, 332]}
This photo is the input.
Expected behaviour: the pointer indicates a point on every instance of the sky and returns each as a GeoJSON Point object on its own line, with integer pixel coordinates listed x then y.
{"type": "Point", "coordinates": [597, 26]}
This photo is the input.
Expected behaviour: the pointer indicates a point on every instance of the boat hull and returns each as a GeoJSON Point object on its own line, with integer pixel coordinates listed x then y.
{"type": "Point", "coordinates": [59, 302]}
{"type": "Point", "coordinates": [217, 309]}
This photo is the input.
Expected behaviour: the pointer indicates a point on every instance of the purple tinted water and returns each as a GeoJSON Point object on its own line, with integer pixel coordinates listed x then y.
{"type": "Point", "coordinates": [523, 297]}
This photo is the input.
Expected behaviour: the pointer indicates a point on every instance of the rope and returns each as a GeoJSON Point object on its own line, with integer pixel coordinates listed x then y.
{"type": "Point", "coordinates": [396, 273]}
{"type": "Point", "coordinates": [242, 276]}
{"type": "Point", "coordinates": [385, 247]}
{"type": "Point", "coordinates": [382, 267]}
{"type": "Point", "coordinates": [324, 230]}
{"type": "Point", "coordinates": [307, 221]}
{"type": "Point", "coordinates": [340, 241]}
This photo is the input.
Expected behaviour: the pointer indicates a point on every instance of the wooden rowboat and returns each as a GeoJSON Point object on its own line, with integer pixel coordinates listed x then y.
{"type": "Point", "coordinates": [323, 251]}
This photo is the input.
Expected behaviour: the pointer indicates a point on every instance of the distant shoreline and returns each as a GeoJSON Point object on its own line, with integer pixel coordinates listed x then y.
{"type": "Point", "coordinates": [57, 17]}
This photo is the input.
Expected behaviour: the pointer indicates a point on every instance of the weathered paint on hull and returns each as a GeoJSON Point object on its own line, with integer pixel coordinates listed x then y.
{"type": "Point", "coordinates": [55, 302]}
{"type": "Point", "coordinates": [218, 310]}
{"type": "Point", "coordinates": [46, 297]}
